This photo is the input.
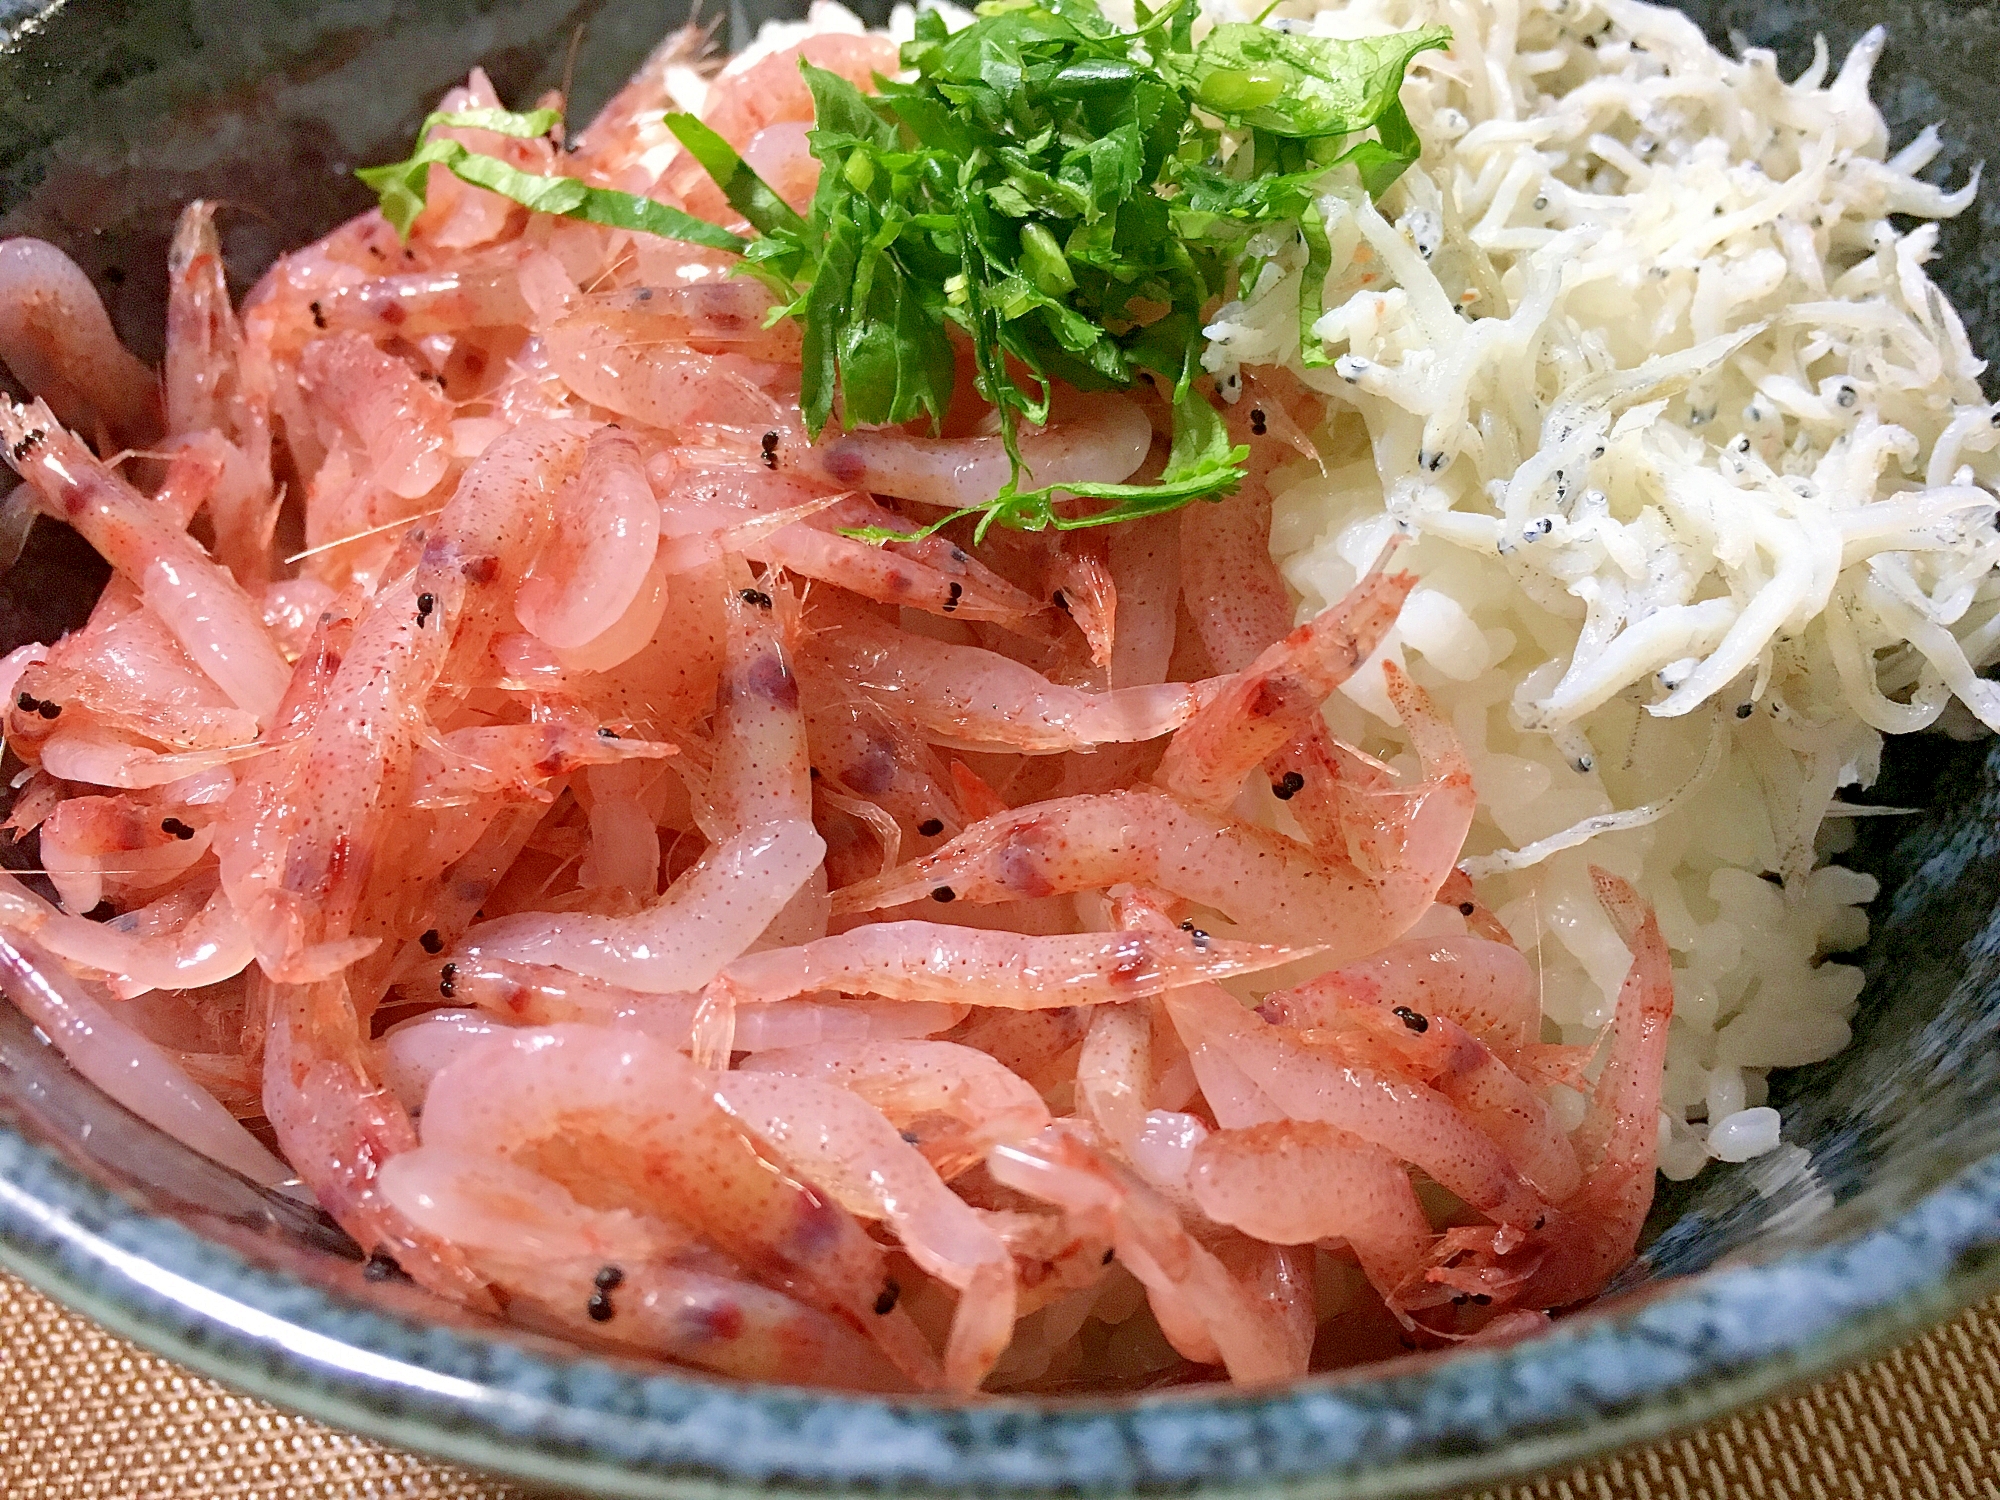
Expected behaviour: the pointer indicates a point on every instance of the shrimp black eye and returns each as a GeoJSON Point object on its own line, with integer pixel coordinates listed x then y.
{"type": "Point", "coordinates": [1200, 938]}
{"type": "Point", "coordinates": [957, 593]}
{"type": "Point", "coordinates": [1414, 1020]}
{"type": "Point", "coordinates": [425, 604]}
{"type": "Point", "coordinates": [1109, 1256]}
{"type": "Point", "coordinates": [432, 941]}
{"type": "Point", "coordinates": [770, 442]}
{"type": "Point", "coordinates": [1060, 600]}
{"type": "Point", "coordinates": [319, 316]}
{"type": "Point", "coordinates": [944, 893]}
{"type": "Point", "coordinates": [48, 710]}
{"type": "Point", "coordinates": [1257, 420]}
{"type": "Point", "coordinates": [756, 597]}
{"type": "Point", "coordinates": [27, 703]}
{"type": "Point", "coordinates": [599, 1307]}
{"type": "Point", "coordinates": [1467, 908]}
{"type": "Point", "coordinates": [609, 1278]}
{"type": "Point", "coordinates": [447, 980]}
{"type": "Point", "coordinates": [930, 828]}
{"type": "Point", "coordinates": [1288, 786]}
{"type": "Point", "coordinates": [176, 827]}
{"type": "Point", "coordinates": [30, 441]}
{"type": "Point", "coordinates": [892, 1293]}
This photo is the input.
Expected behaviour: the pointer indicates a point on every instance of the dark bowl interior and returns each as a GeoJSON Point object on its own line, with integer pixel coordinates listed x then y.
{"type": "Point", "coordinates": [115, 112]}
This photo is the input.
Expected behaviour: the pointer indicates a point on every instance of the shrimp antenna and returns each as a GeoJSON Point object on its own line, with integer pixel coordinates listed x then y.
{"type": "Point", "coordinates": [569, 68]}
{"type": "Point", "coordinates": [422, 515]}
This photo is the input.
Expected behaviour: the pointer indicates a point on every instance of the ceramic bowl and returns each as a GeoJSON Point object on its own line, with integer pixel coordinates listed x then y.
{"type": "Point", "coordinates": [114, 112]}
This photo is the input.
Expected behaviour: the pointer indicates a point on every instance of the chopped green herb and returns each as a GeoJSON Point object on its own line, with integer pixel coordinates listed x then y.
{"type": "Point", "coordinates": [401, 185]}
{"type": "Point", "coordinates": [1070, 198]}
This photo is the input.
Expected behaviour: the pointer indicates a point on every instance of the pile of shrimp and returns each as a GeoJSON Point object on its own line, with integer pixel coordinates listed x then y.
{"type": "Point", "coordinates": [494, 781]}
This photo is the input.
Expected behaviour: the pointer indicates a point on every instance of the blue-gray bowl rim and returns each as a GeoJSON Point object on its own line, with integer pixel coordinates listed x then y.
{"type": "Point", "coordinates": [1672, 1357]}
{"type": "Point", "coordinates": [1677, 1353]}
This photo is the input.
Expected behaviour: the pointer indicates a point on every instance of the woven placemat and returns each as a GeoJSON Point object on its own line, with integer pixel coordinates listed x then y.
{"type": "Point", "coordinates": [86, 1416]}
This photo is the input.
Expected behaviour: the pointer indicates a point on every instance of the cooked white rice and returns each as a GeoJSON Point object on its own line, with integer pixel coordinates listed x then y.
{"type": "Point", "coordinates": [1699, 480]}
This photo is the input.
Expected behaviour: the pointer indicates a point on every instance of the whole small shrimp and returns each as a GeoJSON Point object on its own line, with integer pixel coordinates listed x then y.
{"type": "Point", "coordinates": [931, 961]}
{"type": "Point", "coordinates": [312, 882]}
{"type": "Point", "coordinates": [124, 673]}
{"type": "Point", "coordinates": [217, 623]}
{"type": "Point", "coordinates": [338, 1125]}
{"type": "Point", "coordinates": [207, 393]}
{"type": "Point", "coordinates": [931, 573]}
{"type": "Point", "coordinates": [1296, 1080]}
{"type": "Point", "coordinates": [486, 294]}
{"type": "Point", "coordinates": [711, 317]}
{"type": "Point", "coordinates": [1584, 1239]}
{"type": "Point", "coordinates": [627, 1121]}
{"type": "Point", "coordinates": [1268, 885]}
{"type": "Point", "coordinates": [848, 1149]}
{"type": "Point", "coordinates": [1438, 1051]}
{"type": "Point", "coordinates": [57, 339]}
{"type": "Point", "coordinates": [90, 844]}
{"type": "Point", "coordinates": [1235, 596]}
{"type": "Point", "coordinates": [537, 995]}
{"type": "Point", "coordinates": [972, 699]}
{"type": "Point", "coordinates": [1078, 573]}
{"type": "Point", "coordinates": [613, 1278]}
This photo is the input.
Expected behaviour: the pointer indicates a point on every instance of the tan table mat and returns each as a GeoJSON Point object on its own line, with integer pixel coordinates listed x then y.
{"type": "Point", "coordinates": [85, 1416]}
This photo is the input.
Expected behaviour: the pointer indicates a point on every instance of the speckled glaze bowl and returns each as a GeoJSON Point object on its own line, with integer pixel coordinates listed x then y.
{"type": "Point", "coordinates": [114, 112]}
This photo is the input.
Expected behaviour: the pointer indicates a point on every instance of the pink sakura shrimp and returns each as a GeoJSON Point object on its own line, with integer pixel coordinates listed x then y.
{"type": "Point", "coordinates": [932, 961]}
{"type": "Point", "coordinates": [212, 401]}
{"type": "Point", "coordinates": [624, 1281]}
{"type": "Point", "coordinates": [629, 1123]}
{"type": "Point", "coordinates": [640, 904]}
{"type": "Point", "coordinates": [1570, 1252]}
{"type": "Point", "coordinates": [204, 607]}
